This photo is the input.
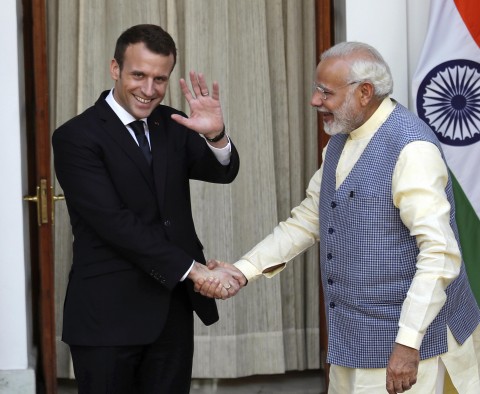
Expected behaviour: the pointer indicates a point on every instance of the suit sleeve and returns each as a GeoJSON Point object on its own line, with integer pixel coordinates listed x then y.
{"type": "Point", "coordinates": [205, 165]}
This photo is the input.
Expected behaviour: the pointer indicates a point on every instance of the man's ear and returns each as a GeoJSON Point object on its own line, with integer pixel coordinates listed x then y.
{"type": "Point", "coordinates": [366, 93]}
{"type": "Point", "coordinates": [114, 70]}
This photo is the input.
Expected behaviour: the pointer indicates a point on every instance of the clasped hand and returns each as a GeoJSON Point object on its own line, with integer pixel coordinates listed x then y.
{"type": "Point", "coordinates": [217, 279]}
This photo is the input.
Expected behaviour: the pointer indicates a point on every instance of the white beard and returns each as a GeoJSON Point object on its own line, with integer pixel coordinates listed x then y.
{"type": "Point", "coordinates": [345, 121]}
{"type": "Point", "coordinates": [333, 128]}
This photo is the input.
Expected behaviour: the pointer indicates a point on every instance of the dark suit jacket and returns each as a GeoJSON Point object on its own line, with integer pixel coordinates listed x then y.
{"type": "Point", "coordinates": [134, 236]}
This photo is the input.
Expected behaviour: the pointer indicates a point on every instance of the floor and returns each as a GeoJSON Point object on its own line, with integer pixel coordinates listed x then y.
{"type": "Point", "coordinates": [304, 382]}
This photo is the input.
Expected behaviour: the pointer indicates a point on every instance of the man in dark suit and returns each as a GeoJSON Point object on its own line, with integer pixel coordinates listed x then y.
{"type": "Point", "coordinates": [128, 310]}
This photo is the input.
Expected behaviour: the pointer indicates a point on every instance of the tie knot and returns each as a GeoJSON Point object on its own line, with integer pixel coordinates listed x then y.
{"type": "Point", "coordinates": [137, 127]}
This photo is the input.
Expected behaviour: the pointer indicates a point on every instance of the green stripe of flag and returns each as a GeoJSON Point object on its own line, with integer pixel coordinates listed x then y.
{"type": "Point", "coordinates": [469, 230]}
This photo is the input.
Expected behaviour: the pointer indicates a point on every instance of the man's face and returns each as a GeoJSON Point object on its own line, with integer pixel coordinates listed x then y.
{"type": "Point", "coordinates": [142, 83]}
{"type": "Point", "coordinates": [340, 109]}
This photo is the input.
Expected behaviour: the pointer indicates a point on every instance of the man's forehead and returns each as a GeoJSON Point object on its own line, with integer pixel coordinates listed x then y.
{"type": "Point", "coordinates": [141, 58]}
{"type": "Point", "coordinates": [335, 68]}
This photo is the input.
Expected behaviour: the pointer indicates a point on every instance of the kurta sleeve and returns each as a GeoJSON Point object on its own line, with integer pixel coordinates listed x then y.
{"type": "Point", "coordinates": [418, 189]}
{"type": "Point", "coordinates": [288, 239]}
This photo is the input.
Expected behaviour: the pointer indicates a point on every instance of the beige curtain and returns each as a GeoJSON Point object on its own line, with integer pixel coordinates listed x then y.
{"type": "Point", "coordinates": [262, 53]}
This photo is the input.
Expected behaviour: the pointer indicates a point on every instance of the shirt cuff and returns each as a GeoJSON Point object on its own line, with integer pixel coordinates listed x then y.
{"type": "Point", "coordinates": [186, 273]}
{"type": "Point", "coordinates": [251, 272]}
{"type": "Point", "coordinates": [222, 154]}
{"type": "Point", "coordinates": [408, 337]}
{"type": "Point", "coordinates": [248, 269]}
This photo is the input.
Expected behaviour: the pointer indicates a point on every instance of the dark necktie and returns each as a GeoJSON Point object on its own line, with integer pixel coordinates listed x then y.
{"type": "Point", "coordinates": [137, 127]}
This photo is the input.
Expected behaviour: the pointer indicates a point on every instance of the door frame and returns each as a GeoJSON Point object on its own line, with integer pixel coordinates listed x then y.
{"type": "Point", "coordinates": [40, 189]}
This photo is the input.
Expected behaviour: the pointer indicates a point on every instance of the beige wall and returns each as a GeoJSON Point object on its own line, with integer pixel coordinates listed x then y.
{"type": "Point", "coordinates": [395, 27]}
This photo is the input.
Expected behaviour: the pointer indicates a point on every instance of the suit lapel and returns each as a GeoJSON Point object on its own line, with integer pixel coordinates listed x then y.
{"type": "Point", "coordinates": [119, 133]}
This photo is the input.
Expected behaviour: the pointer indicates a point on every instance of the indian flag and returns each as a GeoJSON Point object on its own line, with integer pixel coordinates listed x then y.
{"type": "Point", "coordinates": [446, 88]}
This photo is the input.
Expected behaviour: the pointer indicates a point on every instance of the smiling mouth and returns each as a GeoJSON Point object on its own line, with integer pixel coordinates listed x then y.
{"type": "Point", "coordinates": [325, 114]}
{"type": "Point", "coordinates": [142, 100]}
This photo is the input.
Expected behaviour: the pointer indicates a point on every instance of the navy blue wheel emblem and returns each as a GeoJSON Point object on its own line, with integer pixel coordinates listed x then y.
{"type": "Point", "coordinates": [448, 100]}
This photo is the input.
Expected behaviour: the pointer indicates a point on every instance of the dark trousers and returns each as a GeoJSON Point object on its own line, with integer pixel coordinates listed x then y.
{"type": "Point", "coordinates": [162, 367]}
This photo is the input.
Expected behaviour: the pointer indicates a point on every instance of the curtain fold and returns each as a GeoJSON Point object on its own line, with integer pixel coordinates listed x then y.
{"type": "Point", "coordinates": [262, 53]}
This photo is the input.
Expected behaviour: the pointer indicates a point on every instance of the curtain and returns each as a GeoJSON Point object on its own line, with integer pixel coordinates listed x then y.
{"type": "Point", "coordinates": [262, 53]}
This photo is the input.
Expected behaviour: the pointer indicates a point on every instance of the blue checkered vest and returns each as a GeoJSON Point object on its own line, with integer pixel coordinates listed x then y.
{"type": "Point", "coordinates": [368, 257]}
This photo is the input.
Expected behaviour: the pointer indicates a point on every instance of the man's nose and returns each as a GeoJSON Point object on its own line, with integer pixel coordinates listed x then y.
{"type": "Point", "coordinates": [317, 99]}
{"type": "Point", "coordinates": [148, 87]}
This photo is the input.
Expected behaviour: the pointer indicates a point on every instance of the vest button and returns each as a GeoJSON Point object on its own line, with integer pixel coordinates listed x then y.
{"type": "Point", "coordinates": [332, 305]}
{"type": "Point", "coordinates": [329, 256]}
{"type": "Point", "coordinates": [331, 230]}
{"type": "Point", "coordinates": [330, 281]}
{"type": "Point", "coordinates": [333, 204]}
{"type": "Point", "coordinates": [167, 223]}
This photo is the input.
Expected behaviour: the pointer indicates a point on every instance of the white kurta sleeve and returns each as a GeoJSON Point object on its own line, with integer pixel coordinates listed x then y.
{"type": "Point", "coordinates": [418, 189]}
{"type": "Point", "coordinates": [288, 239]}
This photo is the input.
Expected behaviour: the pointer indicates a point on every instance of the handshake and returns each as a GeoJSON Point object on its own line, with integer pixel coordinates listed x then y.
{"type": "Point", "coordinates": [217, 279]}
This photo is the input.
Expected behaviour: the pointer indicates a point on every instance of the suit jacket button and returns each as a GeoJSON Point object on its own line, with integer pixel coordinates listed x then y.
{"type": "Point", "coordinates": [167, 223]}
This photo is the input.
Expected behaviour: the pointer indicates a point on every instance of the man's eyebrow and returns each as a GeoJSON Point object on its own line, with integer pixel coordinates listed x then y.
{"type": "Point", "coordinates": [323, 87]}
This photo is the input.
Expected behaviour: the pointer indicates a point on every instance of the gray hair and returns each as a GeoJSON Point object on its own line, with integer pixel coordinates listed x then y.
{"type": "Point", "coordinates": [369, 67]}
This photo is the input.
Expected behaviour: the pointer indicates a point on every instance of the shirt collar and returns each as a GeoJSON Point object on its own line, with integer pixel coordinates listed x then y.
{"type": "Point", "coordinates": [124, 116]}
{"type": "Point", "coordinates": [369, 128]}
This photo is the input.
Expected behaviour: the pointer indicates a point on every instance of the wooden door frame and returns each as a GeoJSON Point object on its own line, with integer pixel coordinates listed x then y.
{"type": "Point", "coordinates": [39, 184]}
{"type": "Point", "coordinates": [38, 147]}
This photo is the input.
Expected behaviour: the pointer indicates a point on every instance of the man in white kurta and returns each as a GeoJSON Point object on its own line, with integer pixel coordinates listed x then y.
{"type": "Point", "coordinates": [412, 184]}
{"type": "Point", "coordinates": [352, 90]}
